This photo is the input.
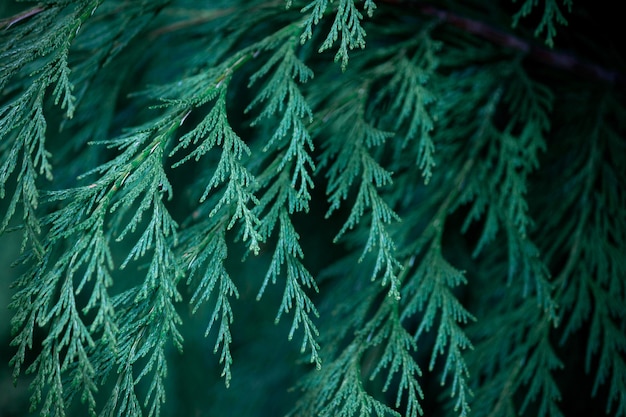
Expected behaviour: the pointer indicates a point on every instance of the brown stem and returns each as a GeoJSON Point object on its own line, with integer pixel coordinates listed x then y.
{"type": "Point", "coordinates": [550, 57]}
{"type": "Point", "coordinates": [200, 17]}
{"type": "Point", "coordinates": [5, 24]}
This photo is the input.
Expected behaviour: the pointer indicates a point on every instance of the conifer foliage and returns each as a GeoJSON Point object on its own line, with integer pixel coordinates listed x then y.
{"type": "Point", "coordinates": [428, 196]}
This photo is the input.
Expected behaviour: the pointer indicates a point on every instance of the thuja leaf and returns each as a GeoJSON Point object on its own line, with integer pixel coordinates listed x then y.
{"type": "Point", "coordinates": [346, 26]}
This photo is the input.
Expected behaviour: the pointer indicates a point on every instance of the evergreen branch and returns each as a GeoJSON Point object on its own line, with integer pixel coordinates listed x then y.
{"type": "Point", "coordinates": [29, 144]}
{"type": "Point", "coordinates": [216, 130]}
{"type": "Point", "coordinates": [240, 181]}
{"type": "Point", "coordinates": [410, 103]}
{"type": "Point", "coordinates": [67, 344]}
{"type": "Point", "coordinates": [502, 187]}
{"type": "Point", "coordinates": [351, 159]}
{"type": "Point", "coordinates": [551, 15]}
{"type": "Point", "coordinates": [405, 103]}
{"type": "Point", "coordinates": [150, 316]}
{"type": "Point", "coordinates": [150, 320]}
{"type": "Point", "coordinates": [99, 45]}
{"type": "Point", "coordinates": [379, 345]}
{"type": "Point", "coordinates": [120, 184]}
{"type": "Point", "coordinates": [524, 357]}
{"type": "Point", "coordinates": [350, 398]}
{"type": "Point", "coordinates": [288, 253]}
{"type": "Point", "coordinates": [129, 402]}
{"type": "Point", "coordinates": [589, 298]}
{"type": "Point", "coordinates": [284, 195]}
{"type": "Point", "coordinates": [204, 251]}
{"type": "Point", "coordinates": [430, 290]}
{"type": "Point", "coordinates": [281, 94]}
{"type": "Point", "coordinates": [537, 373]}
{"type": "Point", "coordinates": [501, 179]}
{"type": "Point", "coordinates": [346, 26]}
{"type": "Point", "coordinates": [337, 389]}
{"type": "Point", "coordinates": [22, 121]}
{"type": "Point", "coordinates": [397, 357]}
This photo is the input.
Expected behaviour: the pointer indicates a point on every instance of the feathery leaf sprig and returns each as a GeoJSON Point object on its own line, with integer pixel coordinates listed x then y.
{"type": "Point", "coordinates": [286, 182]}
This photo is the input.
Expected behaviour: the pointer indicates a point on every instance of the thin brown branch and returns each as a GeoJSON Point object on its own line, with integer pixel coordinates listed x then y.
{"type": "Point", "coordinates": [5, 24]}
{"type": "Point", "coordinates": [199, 18]}
{"type": "Point", "coordinates": [553, 58]}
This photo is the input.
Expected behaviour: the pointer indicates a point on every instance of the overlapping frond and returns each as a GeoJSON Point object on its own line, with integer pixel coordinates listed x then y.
{"type": "Point", "coordinates": [287, 183]}
{"type": "Point", "coordinates": [449, 207]}
{"type": "Point", "coordinates": [591, 229]}
{"type": "Point", "coordinates": [45, 40]}
{"type": "Point", "coordinates": [339, 388]}
{"type": "Point", "coordinates": [430, 291]}
{"type": "Point", "coordinates": [411, 102]}
{"type": "Point", "coordinates": [352, 163]}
